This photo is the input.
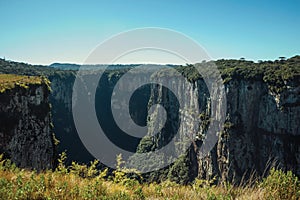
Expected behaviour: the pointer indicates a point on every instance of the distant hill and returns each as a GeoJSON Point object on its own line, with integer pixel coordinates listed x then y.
{"type": "Point", "coordinates": [70, 66]}
{"type": "Point", "coordinates": [65, 66]}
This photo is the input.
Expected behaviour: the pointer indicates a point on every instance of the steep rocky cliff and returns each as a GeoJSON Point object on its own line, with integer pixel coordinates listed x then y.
{"type": "Point", "coordinates": [25, 121]}
{"type": "Point", "coordinates": [262, 131]}
{"type": "Point", "coordinates": [64, 127]}
{"type": "Point", "coordinates": [261, 128]}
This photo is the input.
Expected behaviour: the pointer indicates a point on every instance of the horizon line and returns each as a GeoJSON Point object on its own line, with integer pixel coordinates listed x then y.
{"type": "Point", "coordinates": [148, 63]}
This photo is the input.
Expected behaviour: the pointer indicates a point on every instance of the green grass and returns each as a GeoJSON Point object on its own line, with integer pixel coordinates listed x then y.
{"type": "Point", "coordinates": [86, 182]}
{"type": "Point", "coordinates": [9, 81]}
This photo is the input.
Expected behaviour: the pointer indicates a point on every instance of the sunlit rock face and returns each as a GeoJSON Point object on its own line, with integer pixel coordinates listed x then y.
{"type": "Point", "coordinates": [262, 131]}
{"type": "Point", "coordinates": [26, 135]}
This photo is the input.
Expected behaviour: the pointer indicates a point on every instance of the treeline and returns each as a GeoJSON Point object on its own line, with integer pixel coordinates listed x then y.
{"type": "Point", "coordinates": [278, 74]}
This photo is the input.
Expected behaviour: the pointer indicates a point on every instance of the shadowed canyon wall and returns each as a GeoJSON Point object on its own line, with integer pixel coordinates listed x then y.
{"type": "Point", "coordinates": [26, 134]}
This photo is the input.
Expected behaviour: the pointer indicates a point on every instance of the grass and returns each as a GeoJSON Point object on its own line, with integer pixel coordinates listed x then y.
{"type": "Point", "coordinates": [85, 182]}
{"type": "Point", "coordinates": [9, 81]}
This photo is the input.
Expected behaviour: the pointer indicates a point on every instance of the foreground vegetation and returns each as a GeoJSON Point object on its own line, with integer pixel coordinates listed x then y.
{"type": "Point", "coordinates": [86, 182]}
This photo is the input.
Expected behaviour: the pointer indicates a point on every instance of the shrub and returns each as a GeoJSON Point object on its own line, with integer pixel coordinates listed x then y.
{"type": "Point", "coordinates": [281, 185]}
{"type": "Point", "coordinates": [61, 168]}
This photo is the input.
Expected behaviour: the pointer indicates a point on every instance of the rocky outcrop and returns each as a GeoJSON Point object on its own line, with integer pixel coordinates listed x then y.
{"type": "Point", "coordinates": [262, 129]}
{"type": "Point", "coordinates": [26, 135]}
{"type": "Point", "coordinates": [264, 132]}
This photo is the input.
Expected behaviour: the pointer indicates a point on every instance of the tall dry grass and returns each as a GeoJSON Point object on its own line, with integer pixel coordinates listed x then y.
{"type": "Point", "coordinates": [86, 182]}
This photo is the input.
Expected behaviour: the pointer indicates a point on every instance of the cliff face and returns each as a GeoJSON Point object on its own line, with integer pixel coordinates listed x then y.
{"type": "Point", "coordinates": [264, 132]}
{"type": "Point", "coordinates": [64, 128]}
{"type": "Point", "coordinates": [262, 129]}
{"type": "Point", "coordinates": [25, 131]}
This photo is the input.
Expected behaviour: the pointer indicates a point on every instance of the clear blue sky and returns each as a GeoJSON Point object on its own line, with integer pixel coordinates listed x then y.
{"type": "Point", "coordinates": [42, 32]}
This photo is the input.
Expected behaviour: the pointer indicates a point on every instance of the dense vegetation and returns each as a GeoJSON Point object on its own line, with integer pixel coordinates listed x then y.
{"type": "Point", "coordinates": [86, 182]}
{"type": "Point", "coordinates": [10, 67]}
{"type": "Point", "coordinates": [278, 74]}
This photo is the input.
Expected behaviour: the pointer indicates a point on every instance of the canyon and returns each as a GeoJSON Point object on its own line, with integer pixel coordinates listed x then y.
{"type": "Point", "coordinates": [261, 130]}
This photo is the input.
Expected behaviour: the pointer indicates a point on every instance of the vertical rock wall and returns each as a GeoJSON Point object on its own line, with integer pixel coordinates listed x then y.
{"type": "Point", "coordinates": [262, 129]}
{"type": "Point", "coordinates": [25, 126]}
